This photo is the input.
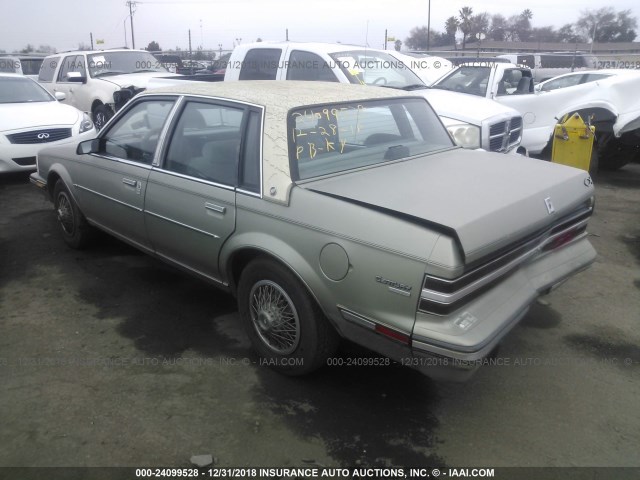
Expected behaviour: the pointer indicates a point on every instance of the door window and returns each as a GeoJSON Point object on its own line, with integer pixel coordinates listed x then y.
{"type": "Point", "coordinates": [260, 64]}
{"type": "Point", "coordinates": [135, 135]}
{"type": "Point", "coordinates": [72, 63]}
{"type": "Point", "coordinates": [206, 143]}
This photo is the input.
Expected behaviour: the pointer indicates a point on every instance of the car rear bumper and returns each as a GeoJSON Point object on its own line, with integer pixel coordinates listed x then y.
{"type": "Point", "coordinates": [454, 346]}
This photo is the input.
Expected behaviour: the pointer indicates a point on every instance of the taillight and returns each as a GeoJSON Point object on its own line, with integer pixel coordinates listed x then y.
{"type": "Point", "coordinates": [387, 332]}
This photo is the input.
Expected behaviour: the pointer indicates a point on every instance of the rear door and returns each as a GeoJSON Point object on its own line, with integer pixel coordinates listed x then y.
{"type": "Point", "coordinates": [190, 199]}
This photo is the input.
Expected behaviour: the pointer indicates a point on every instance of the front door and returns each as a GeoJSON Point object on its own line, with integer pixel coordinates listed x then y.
{"type": "Point", "coordinates": [112, 185]}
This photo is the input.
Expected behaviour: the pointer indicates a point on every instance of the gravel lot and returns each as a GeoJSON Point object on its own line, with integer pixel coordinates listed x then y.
{"type": "Point", "coordinates": [110, 358]}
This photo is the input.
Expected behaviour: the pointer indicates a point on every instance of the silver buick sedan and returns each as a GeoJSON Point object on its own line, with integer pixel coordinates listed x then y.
{"type": "Point", "coordinates": [329, 211]}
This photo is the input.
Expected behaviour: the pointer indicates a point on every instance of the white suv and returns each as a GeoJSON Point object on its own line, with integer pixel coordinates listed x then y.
{"type": "Point", "coordinates": [99, 82]}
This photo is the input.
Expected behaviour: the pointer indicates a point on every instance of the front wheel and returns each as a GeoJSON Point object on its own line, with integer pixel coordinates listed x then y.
{"type": "Point", "coordinates": [76, 232]}
{"type": "Point", "coordinates": [101, 115]}
{"type": "Point", "coordinates": [285, 325]}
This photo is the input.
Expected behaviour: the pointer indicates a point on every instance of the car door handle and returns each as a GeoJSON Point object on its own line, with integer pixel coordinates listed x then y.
{"type": "Point", "coordinates": [131, 183]}
{"type": "Point", "coordinates": [215, 208]}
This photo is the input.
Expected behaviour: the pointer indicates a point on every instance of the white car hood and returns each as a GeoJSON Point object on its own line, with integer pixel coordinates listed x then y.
{"type": "Point", "coordinates": [454, 105]}
{"type": "Point", "coordinates": [139, 80]}
{"type": "Point", "coordinates": [18, 116]}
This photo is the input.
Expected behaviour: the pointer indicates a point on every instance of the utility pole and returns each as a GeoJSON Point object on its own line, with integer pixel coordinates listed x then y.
{"type": "Point", "coordinates": [132, 4]}
{"type": "Point", "coordinates": [190, 56]}
{"type": "Point", "coordinates": [428, 23]}
{"type": "Point", "coordinates": [91, 37]}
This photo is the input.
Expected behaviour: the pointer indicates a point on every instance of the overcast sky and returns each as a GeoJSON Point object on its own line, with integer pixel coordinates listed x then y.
{"type": "Point", "coordinates": [63, 24]}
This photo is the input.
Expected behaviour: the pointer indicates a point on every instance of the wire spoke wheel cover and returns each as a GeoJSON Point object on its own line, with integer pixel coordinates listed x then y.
{"type": "Point", "coordinates": [65, 214]}
{"type": "Point", "coordinates": [274, 317]}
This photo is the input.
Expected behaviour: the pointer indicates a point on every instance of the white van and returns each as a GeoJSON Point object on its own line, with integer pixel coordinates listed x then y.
{"type": "Point", "coordinates": [547, 65]}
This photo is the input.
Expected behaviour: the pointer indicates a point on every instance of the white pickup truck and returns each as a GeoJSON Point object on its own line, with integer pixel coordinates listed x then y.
{"type": "Point", "coordinates": [473, 122]}
{"type": "Point", "coordinates": [608, 99]}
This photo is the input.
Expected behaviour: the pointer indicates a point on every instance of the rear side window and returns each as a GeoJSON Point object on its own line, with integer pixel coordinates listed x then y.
{"type": "Point", "coordinates": [556, 61]}
{"type": "Point", "coordinates": [250, 162]}
{"type": "Point", "coordinates": [47, 69]}
{"type": "Point", "coordinates": [310, 67]}
{"type": "Point", "coordinates": [30, 66]}
{"type": "Point", "coordinates": [260, 64]}
{"type": "Point", "coordinates": [527, 61]}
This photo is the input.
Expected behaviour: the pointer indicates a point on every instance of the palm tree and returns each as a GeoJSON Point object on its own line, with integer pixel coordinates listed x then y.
{"type": "Point", "coordinates": [465, 23]}
{"type": "Point", "coordinates": [451, 27]}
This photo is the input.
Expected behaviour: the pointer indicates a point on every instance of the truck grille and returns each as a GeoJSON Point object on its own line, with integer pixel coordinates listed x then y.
{"type": "Point", "coordinates": [40, 136]}
{"type": "Point", "coordinates": [505, 135]}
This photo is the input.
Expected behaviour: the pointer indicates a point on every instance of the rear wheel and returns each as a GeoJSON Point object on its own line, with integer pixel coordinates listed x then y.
{"type": "Point", "coordinates": [283, 322]}
{"type": "Point", "coordinates": [76, 232]}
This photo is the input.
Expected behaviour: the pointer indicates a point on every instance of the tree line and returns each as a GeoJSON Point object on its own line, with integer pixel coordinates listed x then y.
{"type": "Point", "coordinates": [602, 25]}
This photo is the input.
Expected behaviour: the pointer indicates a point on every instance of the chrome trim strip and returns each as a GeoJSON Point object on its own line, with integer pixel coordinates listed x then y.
{"type": "Point", "coordinates": [160, 148]}
{"type": "Point", "coordinates": [249, 193]}
{"type": "Point", "coordinates": [357, 319]}
{"type": "Point", "coordinates": [447, 298]}
{"type": "Point", "coordinates": [181, 224]}
{"type": "Point", "coordinates": [215, 208]}
{"type": "Point", "coordinates": [107, 197]}
{"type": "Point", "coordinates": [187, 177]}
{"type": "Point", "coordinates": [404, 293]}
{"type": "Point", "coordinates": [121, 160]}
{"type": "Point", "coordinates": [186, 267]}
{"type": "Point", "coordinates": [537, 238]}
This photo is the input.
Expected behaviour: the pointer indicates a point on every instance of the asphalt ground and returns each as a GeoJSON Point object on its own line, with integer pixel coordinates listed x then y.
{"type": "Point", "coordinates": [110, 358]}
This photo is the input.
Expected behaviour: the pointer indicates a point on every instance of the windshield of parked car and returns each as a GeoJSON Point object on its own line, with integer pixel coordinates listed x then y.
{"type": "Point", "coordinates": [22, 90]}
{"type": "Point", "coordinates": [116, 63]}
{"type": "Point", "coordinates": [466, 79]}
{"type": "Point", "coordinates": [326, 139]}
{"type": "Point", "coordinates": [368, 67]}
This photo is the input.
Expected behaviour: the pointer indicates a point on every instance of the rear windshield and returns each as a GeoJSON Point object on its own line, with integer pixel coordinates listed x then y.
{"type": "Point", "coordinates": [326, 139]}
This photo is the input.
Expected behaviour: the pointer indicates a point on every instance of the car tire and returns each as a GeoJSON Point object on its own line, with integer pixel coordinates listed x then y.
{"type": "Point", "coordinates": [76, 232]}
{"type": "Point", "coordinates": [101, 115]}
{"type": "Point", "coordinates": [284, 323]}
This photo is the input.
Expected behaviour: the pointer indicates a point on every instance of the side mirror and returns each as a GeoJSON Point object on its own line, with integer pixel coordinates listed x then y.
{"type": "Point", "coordinates": [88, 146]}
{"type": "Point", "coordinates": [60, 96]}
{"type": "Point", "coordinates": [76, 77]}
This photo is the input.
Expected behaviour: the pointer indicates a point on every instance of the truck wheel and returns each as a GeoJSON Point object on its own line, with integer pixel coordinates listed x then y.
{"type": "Point", "coordinates": [285, 325]}
{"type": "Point", "coordinates": [101, 115]}
{"type": "Point", "coordinates": [594, 162]}
{"type": "Point", "coordinates": [76, 232]}
{"type": "Point", "coordinates": [612, 153]}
